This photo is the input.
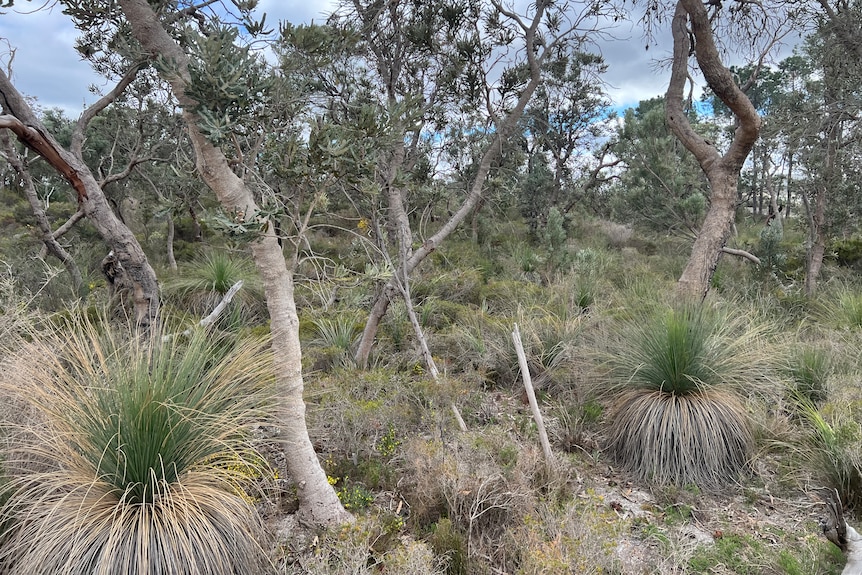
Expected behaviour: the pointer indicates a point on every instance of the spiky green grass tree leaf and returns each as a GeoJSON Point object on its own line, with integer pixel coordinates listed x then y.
{"type": "Point", "coordinates": [137, 457]}
{"type": "Point", "coordinates": [202, 283]}
{"type": "Point", "coordinates": [678, 383]}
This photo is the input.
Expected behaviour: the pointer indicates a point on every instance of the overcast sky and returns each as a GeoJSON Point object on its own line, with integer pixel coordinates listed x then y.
{"type": "Point", "coordinates": [47, 67]}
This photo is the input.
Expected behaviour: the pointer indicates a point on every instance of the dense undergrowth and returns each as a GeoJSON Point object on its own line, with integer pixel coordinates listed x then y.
{"type": "Point", "coordinates": [685, 441]}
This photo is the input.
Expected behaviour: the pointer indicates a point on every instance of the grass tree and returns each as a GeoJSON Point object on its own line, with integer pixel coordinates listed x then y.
{"type": "Point", "coordinates": [202, 283]}
{"type": "Point", "coordinates": [133, 456]}
{"type": "Point", "coordinates": [678, 382]}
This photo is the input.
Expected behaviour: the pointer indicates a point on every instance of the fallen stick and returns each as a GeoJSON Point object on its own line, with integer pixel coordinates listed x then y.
{"type": "Point", "coordinates": [531, 396]}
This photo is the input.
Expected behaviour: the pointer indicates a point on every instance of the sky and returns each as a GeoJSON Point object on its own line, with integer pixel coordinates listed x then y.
{"type": "Point", "coordinates": [47, 67]}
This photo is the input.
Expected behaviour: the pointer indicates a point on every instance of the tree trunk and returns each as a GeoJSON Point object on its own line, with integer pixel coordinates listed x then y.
{"type": "Point", "coordinates": [318, 502]}
{"type": "Point", "coordinates": [831, 143]}
{"type": "Point", "coordinates": [788, 208]}
{"type": "Point", "coordinates": [722, 171]}
{"type": "Point", "coordinates": [130, 259]}
{"type": "Point", "coordinates": [172, 260]}
{"type": "Point", "coordinates": [504, 128]}
{"type": "Point", "coordinates": [717, 225]}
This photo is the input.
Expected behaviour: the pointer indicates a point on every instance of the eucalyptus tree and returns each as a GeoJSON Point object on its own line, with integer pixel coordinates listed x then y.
{"type": "Point", "coordinates": [826, 155]}
{"type": "Point", "coordinates": [427, 72]}
{"type": "Point", "coordinates": [762, 84]}
{"type": "Point", "coordinates": [692, 29]}
{"type": "Point", "coordinates": [130, 272]}
{"type": "Point", "coordinates": [225, 93]}
{"type": "Point", "coordinates": [566, 118]}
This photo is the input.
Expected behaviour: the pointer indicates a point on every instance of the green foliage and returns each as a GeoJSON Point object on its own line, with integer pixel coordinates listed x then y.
{"type": "Point", "coordinates": [749, 555]}
{"type": "Point", "coordinates": [554, 238]}
{"type": "Point", "coordinates": [831, 449]}
{"type": "Point", "coordinates": [338, 333]}
{"type": "Point", "coordinates": [199, 286]}
{"type": "Point", "coordinates": [229, 83]}
{"type": "Point", "coordinates": [139, 457]}
{"type": "Point", "coordinates": [845, 310]}
{"type": "Point", "coordinates": [684, 350]}
{"type": "Point", "coordinates": [354, 496]}
{"type": "Point", "coordinates": [772, 257]}
{"type": "Point", "coordinates": [810, 369]}
{"type": "Point", "coordinates": [449, 543]}
{"type": "Point", "coordinates": [848, 251]}
{"type": "Point", "coordinates": [736, 552]}
{"type": "Point", "coordinates": [663, 188]}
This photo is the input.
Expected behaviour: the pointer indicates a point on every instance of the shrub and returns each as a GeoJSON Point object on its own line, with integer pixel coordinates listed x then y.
{"type": "Point", "coordinates": [846, 311]}
{"type": "Point", "coordinates": [336, 335]}
{"type": "Point", "coordinates": [355, 549]}
{"type": "Point", "coordinates": [137, 460]}
{"type": "Point", "coordinates": [675, 415]}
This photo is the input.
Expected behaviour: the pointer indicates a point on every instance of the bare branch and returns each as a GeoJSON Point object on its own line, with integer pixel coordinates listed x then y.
{"type": "Point", "coordinates": [70, 223]}
{"type": "Point", "coordinates": [741, 253]}
{"type": "Point", "coordinates": [91, 112]}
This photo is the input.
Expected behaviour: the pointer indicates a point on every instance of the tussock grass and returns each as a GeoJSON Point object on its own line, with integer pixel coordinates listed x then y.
{"type": "Point", "coordinates": [677, 383]}
{"type": "Point", "coordinates": [201, 283]}
{"type": "Point", "coordinates": [136, 459]}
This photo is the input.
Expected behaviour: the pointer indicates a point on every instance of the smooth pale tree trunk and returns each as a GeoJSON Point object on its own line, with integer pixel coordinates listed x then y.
{"type": "Point", "coordinates": [172, 260]}
{"type": "Point", "coordinates": [131, 265]}
{"type": "Point", "coordinates": [318, 502]}
{"type": "Point", "coordinates": [722, 172]}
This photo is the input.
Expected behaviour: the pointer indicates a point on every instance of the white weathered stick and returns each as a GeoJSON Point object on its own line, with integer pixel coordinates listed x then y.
{"type": "Point", "coordinates": [221, 305]}
{"type": "Point", "coordinates": [217, 311]}
{"type": "Point", "coordinates": [531, 396]}
{"type": "Point", "coordinates": [853, 553]}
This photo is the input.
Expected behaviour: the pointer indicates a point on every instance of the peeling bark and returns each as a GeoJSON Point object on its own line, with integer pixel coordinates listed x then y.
{"type": "Point", "coordinates": [20, 119]}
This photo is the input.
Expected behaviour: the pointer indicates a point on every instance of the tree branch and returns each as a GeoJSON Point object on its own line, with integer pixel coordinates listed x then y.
{"type": "Point", "coordinates": [741, 253]}
{"type": "Point", "coordinates": [77, 141]}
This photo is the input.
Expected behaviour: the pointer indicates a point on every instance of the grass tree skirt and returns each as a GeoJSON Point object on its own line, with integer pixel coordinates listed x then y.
{"type": "Point", "coordinates": [133, 455]}
{"type": "Point", "coordinates": [701, 438]}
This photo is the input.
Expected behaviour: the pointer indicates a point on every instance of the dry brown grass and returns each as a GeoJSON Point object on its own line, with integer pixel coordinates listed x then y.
{"type": "Point", "coordinates": [135, 459]}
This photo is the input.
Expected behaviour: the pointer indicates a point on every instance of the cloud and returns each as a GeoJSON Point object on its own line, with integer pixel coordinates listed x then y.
{"type": "Point", "coordinates": [45, 64]}
{"type": "Point", "coordinates": [47, 67]}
